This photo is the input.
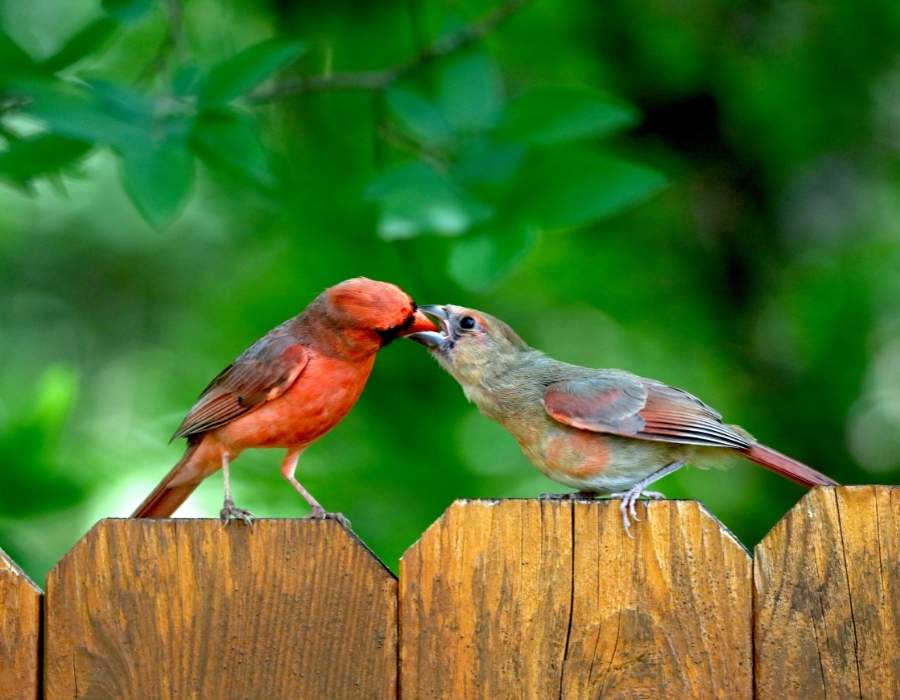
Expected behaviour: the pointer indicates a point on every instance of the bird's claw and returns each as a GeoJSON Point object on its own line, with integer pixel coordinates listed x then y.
{"type": "Point", "coordinates": [319, 513]}
{"type": "Point", "coordinates": [231, 512]}
{"type": "Point", "coordinates": [628, 507]}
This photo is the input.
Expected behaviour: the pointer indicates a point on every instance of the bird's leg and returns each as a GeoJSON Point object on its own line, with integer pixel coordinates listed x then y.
{"type": "Point", "coordinates": [630, 497]}
{"type": "Point", "coordinates": [229, 511]}
{"type": "Point", "coordinates": [288, 467]}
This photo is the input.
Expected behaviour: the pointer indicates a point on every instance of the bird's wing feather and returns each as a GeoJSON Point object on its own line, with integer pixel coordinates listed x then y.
{"type": "Point", "coordinates": [626, 405]}
{"type": "Point", "coordinates": [263, 372]}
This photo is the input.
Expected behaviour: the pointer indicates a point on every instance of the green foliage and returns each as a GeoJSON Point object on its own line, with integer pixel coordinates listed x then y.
{"type": "Point", "coordinates": [482, 167]}
{"type": "Point", "coordinates": [239, 75]}
{"type": "Point", "coordinates": [493, 167]}
{"type": "Point", "coordinates": [127, 10]}
{"type": "Point", "coordinates": [471, 92]}
{"type": "Point", "coordinates": [32, 433]}
{"type": "Point", "coordinates": [416, 198]}
{"type": "Point", "coordinates": [98, 113]}
{"type": "Point", "coordinates": [479, 261]}
{"type": "Point", "coordinates": [33, 156]}
{"type": "Point", "coordinates": [156, 134]}
{"type": "Point", "coordinates": [421, 118]}
{"type": "Point", "coordinates": [230, 141]}
{"type": "Point", "coordinates": [706, 193]}
{"type": "Point", "coordinates": [86, 41]}
{"type": "Point", "coordinates": [596, 186]}
{"type": "Point", "coordinates": [158, 177]}
{"type": "Point", "coordinates": [558, 113]}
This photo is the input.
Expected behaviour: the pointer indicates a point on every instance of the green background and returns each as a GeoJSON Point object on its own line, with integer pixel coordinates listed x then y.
{"type": "Point", "coordinates": [704, 193]}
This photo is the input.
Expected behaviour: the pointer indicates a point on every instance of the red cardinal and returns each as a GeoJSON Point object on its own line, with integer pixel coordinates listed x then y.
{"type": "Point", "coordinates": [602, 431]}
{"type": "Point", "coordinates": [289, 388]}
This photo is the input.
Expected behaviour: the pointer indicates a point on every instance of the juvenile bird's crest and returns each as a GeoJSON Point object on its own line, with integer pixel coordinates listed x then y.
{"type": "Point", "coordinates": [503, 329]}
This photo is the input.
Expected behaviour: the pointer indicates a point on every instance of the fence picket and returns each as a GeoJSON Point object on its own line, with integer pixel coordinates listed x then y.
{"type": "Point", "coordinates": [20, 624]}
{"type": "Point", "coordinates": [827, 597]}
{"type": "Point", "coordinates": [536, 599]}
{"type": "Point", "coordinates": [186, 609]}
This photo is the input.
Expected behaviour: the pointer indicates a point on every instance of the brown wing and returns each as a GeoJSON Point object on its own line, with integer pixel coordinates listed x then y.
{"type": "Point", "coordinates": [263, 372]}
{"type": "Point", "coordinates": [622, 404]}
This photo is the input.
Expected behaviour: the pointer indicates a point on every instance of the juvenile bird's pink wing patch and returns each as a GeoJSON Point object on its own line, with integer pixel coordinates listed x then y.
{"type": "Point", "coordinates": [263, 372]}
{"type": "Point", "coordinates": [622, 404]}
{"type": "Point", "coordinates": [604, 404]}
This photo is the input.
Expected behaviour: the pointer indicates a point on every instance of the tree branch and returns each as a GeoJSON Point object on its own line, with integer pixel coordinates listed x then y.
{"type": "Point", "coordinates": [384, 77]}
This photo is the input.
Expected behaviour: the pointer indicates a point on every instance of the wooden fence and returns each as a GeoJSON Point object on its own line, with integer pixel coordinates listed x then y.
{"type": "Point", "coordinates": [498, 599]}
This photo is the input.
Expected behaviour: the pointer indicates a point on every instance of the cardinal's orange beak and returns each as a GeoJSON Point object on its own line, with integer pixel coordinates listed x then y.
{"type": "Point", "coordinates": [420, 323]}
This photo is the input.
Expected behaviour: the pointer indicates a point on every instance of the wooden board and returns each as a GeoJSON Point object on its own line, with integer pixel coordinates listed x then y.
{"type": "Point", "coordinates": [827, 597]}
{"type": "Point", "coordinates": [20, 625]}
{"type": "Point", "coordinates": [186, 609]}
{"type": "Point", "coordinates": [541, 599]}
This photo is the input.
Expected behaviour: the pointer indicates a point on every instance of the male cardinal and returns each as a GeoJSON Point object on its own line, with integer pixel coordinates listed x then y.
{"type": "Point", "coordinates": [289, 388]}
{"type": "Point", "coordinates": [602, 431]}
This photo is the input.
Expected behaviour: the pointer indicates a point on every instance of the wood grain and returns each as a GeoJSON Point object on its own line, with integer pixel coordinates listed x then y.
{"type": "Point", "coordinates": [540, 599]}
{"type": "Point", "coordinates": [827, 597]}
{"type": "Point", "coordinates": [20, 625]}
{"type": "Point", "coordinates": [186, 609]}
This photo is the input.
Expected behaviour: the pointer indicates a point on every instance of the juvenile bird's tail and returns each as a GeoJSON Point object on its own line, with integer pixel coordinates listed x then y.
{"type": "Point", "coordinates": [784, 465]}
{"type": "Point", "coordinates": [175, 487]}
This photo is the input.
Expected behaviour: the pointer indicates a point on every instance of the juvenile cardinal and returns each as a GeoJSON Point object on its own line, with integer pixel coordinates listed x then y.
{"type": "Point", "coordinates": [601, 431]}
{"type": "Point", "coordinates": [289, 388]}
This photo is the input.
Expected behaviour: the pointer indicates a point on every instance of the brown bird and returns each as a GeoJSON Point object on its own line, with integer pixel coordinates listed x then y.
{"type": "Point", "coordinates": [601, 431]}
{"type": "Point", "coordinates": [286, 390]}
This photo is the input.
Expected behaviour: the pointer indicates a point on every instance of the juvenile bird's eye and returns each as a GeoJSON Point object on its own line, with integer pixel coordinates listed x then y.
{"type": "Point", "coordinates": [467, 323]}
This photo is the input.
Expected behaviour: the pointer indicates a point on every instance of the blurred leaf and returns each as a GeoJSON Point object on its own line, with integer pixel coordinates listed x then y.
{"type": "Point", "coordinates": [479, 261]}
{"type": "Point", "coordinates": [570, 188]}
{"type": "Point", "coordinates": [123, 102]}
{"type": "Point", "coordinates": [31, 436]}
{"type": "Point", "coordinates": [471, 91]}
{"type": "Point", "coordinates": [86, 41]}
{"type": "Point", "coordinates": [555, 114]}
{"type": "Point", "coordinates": [419, 116]}
{"type": "Point", "coordinates": [484, 161]}
{"type": "Point", "coordinates": [231, 141]}
{"type": "Point", "coordinates": [242, 72]}
{"type": "Point", "coordinates": [127, 10]}
{"type": "Point", "coordinates": [414, 199]}
{"type": "Point", "coordinates": [43, 154]}
{"type": "Point", "coordinates": [157, 169]}
{"type": "Point", "coordinates": [54, 395]}
{"type": "Point", "coordinates": [185, 79]}
{"type": "Point", "coordinates": [98, 114]}
{"type": "Point", "coordinates": [13, 58]}
{"type": "Point", "coordinates": [158, 177]}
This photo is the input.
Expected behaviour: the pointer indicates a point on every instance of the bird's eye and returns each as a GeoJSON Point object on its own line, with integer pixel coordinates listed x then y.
{"type": "Point", "coordinates": [467, 323]}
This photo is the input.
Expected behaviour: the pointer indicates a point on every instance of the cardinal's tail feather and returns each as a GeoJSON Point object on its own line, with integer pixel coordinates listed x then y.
{"type": "Point", "coordinates": [175, 487]}
{"type": "Point", "coordinates": [786, 466]}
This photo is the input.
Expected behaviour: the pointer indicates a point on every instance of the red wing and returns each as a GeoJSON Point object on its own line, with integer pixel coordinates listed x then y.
{"type": "Point", "coordinates": [264, 372]}
{"type": "Point", "coordinates": [622, 404]}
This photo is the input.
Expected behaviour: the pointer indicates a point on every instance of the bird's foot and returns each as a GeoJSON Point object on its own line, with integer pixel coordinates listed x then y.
{"type": "Point", "coordinates": [577, 496]}
{"type": "Point", "coordinates": [319, 513]}
{"type": "Point", "coordinates": [231, 512]}
{"type": "Point", "coordinates": [627, 506]}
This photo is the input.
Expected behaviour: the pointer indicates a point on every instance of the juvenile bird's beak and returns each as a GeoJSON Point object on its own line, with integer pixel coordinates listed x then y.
{"type": "Point", "coordinates": [433, 339]}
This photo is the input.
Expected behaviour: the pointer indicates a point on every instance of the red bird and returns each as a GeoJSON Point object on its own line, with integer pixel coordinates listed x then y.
{"type": "Point", "coordinates": [601, 431]}
{"type": "Point", "coordinates": [286, 390]}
